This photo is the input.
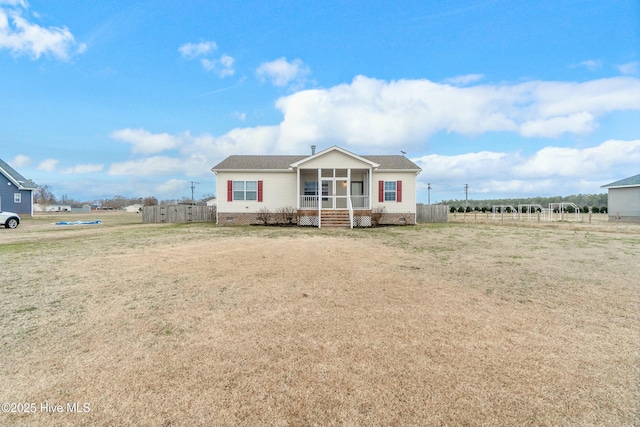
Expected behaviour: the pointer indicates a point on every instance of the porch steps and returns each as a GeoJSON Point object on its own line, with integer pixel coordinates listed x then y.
{"type": "Point", "coordinates": [335, 218]}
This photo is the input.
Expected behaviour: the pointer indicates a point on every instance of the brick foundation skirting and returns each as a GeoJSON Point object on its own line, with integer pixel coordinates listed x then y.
{"type": "Point", "coordinates": [238, 218]}
{"type": "Point", "coordinates": [252, 218]}
{"type": "Point", "coordinates": [398, 219]}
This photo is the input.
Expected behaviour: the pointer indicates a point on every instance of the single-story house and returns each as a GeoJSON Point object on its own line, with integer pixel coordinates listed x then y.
{"type": "Point", "coordinates": [52, 207]}
{"type": "Point", "coordinates": [624, 199]}
{"type": "Point", "coordinates": [135, 208]}
{"type": "Point", "coordinates": [16, 192]}
{"type": "Point", "coordinates": [330, 187]}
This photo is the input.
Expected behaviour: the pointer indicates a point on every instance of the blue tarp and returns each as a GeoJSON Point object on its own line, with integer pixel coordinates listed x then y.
{"type": "Point", "coordinates": [97, 221]}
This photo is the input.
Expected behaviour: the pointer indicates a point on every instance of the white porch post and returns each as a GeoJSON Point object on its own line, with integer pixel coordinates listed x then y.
{"type": "Point", "coordinates": [348, 185]}
{"type": "Point", "coordinates": [370, 189]}
{"type": "Point", "coordinates": [319, 195]}
{"type": "Point", "coordinates": [298, 189]}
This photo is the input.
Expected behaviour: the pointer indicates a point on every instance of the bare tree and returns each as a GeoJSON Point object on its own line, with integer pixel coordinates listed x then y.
{"type": "Point", "coordinates": [150, 201]}
{"type": "Point", "coordinates": [44, 197]}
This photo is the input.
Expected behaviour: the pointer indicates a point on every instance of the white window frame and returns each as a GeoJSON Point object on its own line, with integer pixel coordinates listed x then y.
{"type": "Point", "coordinates": [17, 197]}
{"type": "Point", "coordinates": [389, 192]}
{"type": "Point", "coordinates": [245, 191]}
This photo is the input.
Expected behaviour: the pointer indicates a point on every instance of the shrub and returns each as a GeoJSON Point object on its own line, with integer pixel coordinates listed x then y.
{"type": "Point", "coordinates": [287, 215]}
{"type": "Point", "coordinates": [377, 214]}
{"type": "Point", "coordinates": [263, 216]}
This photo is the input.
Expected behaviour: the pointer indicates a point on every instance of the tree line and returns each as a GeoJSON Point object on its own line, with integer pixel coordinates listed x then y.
{"type": "Point", "coordinates": [595, 202]}
{"type": "Point", "coordinates": [44, 196]}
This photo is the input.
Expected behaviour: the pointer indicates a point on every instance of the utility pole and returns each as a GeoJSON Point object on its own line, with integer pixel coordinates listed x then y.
{"type": "Point", "coordinates": [193, 187]}
{"type": "Point", "coordinates": [429, 193]}
{"type": "Point", "coordinates": [466, 196]}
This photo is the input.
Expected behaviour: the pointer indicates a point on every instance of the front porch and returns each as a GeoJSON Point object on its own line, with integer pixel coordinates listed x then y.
{"type": "Point", "coordinates": [324, 190]}
{"type": "Point", "coordinates": [334, 218]}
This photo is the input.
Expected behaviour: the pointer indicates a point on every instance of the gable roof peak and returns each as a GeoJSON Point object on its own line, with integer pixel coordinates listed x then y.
{"type": "Point", "coordinates": [334, 148]}
{"type": "Point", "coordinates": [12, 175]}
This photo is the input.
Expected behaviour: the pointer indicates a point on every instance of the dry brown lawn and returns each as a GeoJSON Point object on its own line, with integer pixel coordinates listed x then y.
{"type": "Point", "coordinates": [442, 324]}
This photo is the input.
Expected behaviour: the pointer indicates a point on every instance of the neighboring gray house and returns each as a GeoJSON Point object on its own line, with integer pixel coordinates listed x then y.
{"type": "Point", "coordinates": [624, 199]}
{"type": "Point", "coordinates": [16, 192]}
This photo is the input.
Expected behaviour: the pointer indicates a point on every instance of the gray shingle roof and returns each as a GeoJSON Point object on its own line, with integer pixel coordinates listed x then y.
{"type": "Point", "coordinates": [631, 181]}
{"type": "Point", "coordinates": [22, 182]}
{"type": "Point", "coordinates": [257, 162]}
{"type": "Point", "coordinates": [237, 162]}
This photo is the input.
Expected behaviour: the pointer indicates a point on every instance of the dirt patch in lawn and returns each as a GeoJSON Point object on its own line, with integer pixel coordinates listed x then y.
{"type": "Point", "coordinates": [459, 324]}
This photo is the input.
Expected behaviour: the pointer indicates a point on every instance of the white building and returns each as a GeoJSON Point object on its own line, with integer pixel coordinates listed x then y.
{"type": "Point", "coordinates": [333, 186]}
{"type": "Point", "coordinates": [624, 199]}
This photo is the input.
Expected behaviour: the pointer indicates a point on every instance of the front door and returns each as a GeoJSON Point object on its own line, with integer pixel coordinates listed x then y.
{"type": "Point", "coordinates": [334, 193]}
{"type": "Point", "coordinates": [341, 193]}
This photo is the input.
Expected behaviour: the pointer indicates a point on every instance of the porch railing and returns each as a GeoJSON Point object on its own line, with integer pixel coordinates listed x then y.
{"type": "Point", "coordinates": [332, 202]}
{"type": "Point", "coordinates": [307, 202]}
{"type": "Point", "coordinates": [360, 202]}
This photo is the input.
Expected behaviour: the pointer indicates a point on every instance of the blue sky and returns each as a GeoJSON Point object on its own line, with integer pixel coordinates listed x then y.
{"type": "Point", "coordinates": [138, 99]}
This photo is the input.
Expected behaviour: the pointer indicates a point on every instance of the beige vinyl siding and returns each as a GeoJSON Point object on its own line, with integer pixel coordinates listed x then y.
{"type": "Point", "coordinates": [624, 201]}
{"type": "Point", "coordinates": [335, 160]}
{"type": "Point", "coordinates": [279, 190]}
{"type": "Point", "coordinates": [408, 203]}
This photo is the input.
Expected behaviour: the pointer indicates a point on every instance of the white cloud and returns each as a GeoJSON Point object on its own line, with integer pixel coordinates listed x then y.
{"type": "Point", "coordinates": [374, 116]}
{"type": "Point", "coordinates": [48, 165]}
{"type": "Point", "coordinates": [282, 73]}
{"type": "Point", "coordinates": [222, 66]}
{"type": "Point", "coordinates": [630, 68]}
{"type": "Point", "coordinates": [226, 63]}
{"type": "Point", "coordinates": [20, 161]}
{"type": "Point", "coordinates": [239, 115]}
{"type": "Point", "coordinates": [14, 3]}
{"type": "Point", "coordinates": [464, 80]}
{"type": "Point", "coordinates": [145, 142]}
{"type": "Point", "coordinates": [22, 37]}
{"type": "Point", "coordinates": [155, 165]}
{"type": "Point", "coordinates": [549, 171]}
{"type": "Point", "coordinates": [575, 162]}
{"type": "Point", "coordinates": [171, 186]}
{"type": "Point", "coordinates": [462, 166]}
{"type": "Point", "coordinates": [375, 113]}
{"type": "Point", "coordinates": [82, 169]}
{"type": "Point", "coordinates": [578, 123]}
{"type": "Point", "coordinates": [590, 64]}
{"type": "Point", "coordinates": [192, 50]}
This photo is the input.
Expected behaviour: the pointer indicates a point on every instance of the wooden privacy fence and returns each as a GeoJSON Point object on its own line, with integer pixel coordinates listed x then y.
{"type": "Point", "coordinates": [178, 214]}
{"type": "Point", "coordinates": [432, 213]}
